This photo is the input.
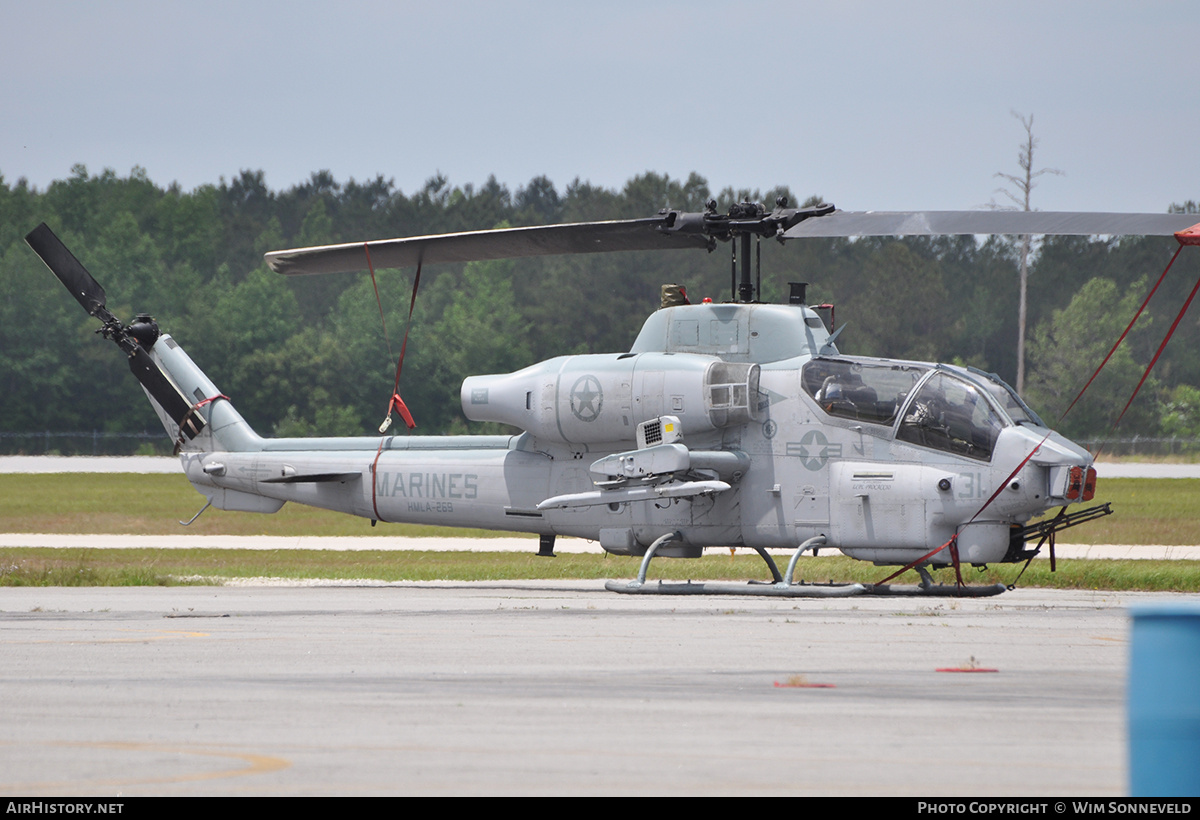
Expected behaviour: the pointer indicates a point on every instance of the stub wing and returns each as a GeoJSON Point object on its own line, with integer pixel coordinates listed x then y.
{"type": "Point", "coordinates": [684, 489]}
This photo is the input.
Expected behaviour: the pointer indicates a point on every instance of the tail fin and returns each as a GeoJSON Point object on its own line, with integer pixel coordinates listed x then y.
{"type": "Point", "coordinates": [223, 428]}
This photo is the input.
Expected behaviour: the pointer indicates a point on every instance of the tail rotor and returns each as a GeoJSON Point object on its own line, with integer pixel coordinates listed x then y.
{"type": "Point", "coordinates": [135, 339]}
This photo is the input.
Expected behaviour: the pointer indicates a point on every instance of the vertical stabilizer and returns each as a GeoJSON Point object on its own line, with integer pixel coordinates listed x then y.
{"type": "Point", "coordinates": [224, 428]}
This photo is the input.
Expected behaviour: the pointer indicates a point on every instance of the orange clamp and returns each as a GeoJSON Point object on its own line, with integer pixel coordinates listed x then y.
{"type": "Point", "coordinates": [1189, 236]}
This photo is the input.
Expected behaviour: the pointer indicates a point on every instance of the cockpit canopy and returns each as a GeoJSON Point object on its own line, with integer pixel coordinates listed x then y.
{"type": "Point", "coordinates": [866, 391]}
{"type": "Point", "coordinates": [944, 408]}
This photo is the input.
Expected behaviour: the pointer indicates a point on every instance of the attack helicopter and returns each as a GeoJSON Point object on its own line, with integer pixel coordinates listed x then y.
{"type": "Point", "coordinates": [736, 424]}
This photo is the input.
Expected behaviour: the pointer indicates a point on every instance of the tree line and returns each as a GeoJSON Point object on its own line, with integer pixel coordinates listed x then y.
{"type": "Point", "coordinates": [308, 355]}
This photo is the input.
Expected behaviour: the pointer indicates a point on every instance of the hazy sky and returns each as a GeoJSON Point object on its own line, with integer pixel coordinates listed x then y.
{"type": "Point", "coordinates": [874, 105]}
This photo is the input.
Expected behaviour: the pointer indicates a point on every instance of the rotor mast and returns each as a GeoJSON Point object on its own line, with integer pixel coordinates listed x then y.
{"type": "Point", "coordinates": [746, 220]}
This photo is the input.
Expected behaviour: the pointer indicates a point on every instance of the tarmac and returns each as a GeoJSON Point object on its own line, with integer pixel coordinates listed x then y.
{"type": "Point", "coordinates": [554, 687]}
{"type": "Point", "coordinates": [558, 688]}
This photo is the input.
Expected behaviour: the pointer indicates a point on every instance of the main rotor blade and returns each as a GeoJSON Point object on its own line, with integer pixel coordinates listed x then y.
{"type": "Point", "coordinates": [956, 223]}
{"type": "Point", "coordinates": [69, 270]}
{"type": "Point", "coordinates": [502, 243]}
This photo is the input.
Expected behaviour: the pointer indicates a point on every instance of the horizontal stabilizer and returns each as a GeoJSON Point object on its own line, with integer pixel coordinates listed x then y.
{"type": "Point", "coordinates": [313, 478]}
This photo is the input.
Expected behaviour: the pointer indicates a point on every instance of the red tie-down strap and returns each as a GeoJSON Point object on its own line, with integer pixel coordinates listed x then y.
{"type": "Point", "coordinates": [1128, 328]}
{"type": "Point", "coordinates": [953, 542]}
{"type": "Point", "coordinates": [400, 407]}
{"type": "Point", "coordinates": [187, 420]}
{"type": "Point", "coordinates": [395, 403]}
{"type": "Point", "coordinates": [1189, 236]}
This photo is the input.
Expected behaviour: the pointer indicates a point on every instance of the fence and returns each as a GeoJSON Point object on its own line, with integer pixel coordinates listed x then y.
{"type": "Point", "coordinates": [1150, 447]}
{"type": "Point", "coordinates": [95, 443]}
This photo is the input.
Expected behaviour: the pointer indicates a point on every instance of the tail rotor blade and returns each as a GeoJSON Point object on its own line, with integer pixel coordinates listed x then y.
{"type": "Point", "coordinates": [88, 292]}
{"type": "Point", "coordinates": [165, 393]}
{"type": "Point", "coordinates": [69, 270]}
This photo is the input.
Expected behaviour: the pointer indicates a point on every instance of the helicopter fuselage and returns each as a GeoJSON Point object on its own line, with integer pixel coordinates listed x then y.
{"type": "Point", "coordinates": [728, 424]}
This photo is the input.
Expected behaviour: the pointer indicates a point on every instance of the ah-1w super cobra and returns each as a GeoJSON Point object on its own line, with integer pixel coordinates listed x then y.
{"type": "Point", "coordinates": [724, 425]}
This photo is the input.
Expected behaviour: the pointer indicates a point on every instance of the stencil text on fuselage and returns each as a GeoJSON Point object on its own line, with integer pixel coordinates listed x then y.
{"type": "Point", "coordinates": [427, 485]}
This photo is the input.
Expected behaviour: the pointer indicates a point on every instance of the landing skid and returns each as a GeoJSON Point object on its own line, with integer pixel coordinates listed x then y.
{"type": "Point", "coordinates": [784, 587]}
{"type": "Point", "coordinates": [803, 590]}
{"type": "Point", "coordinates": [800, 590]}
{"type": "Point", "coordinates": [934, 591]}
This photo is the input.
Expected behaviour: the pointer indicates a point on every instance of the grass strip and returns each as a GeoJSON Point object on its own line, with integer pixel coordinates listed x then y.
{"type": "Point", "coordinates": [147, 567]}
{"type": "Point", "coordinates": [137, 504]}
{"type": "Point", "coordinates": [1146, 511]}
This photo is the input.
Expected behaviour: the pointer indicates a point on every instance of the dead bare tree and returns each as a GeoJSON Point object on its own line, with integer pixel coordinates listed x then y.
{"type": "Point", "coordinates": [1024, 184]}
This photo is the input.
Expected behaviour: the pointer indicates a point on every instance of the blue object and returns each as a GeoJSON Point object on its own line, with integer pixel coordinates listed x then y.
{"type": "Point", "coordinates": [1164, 700]}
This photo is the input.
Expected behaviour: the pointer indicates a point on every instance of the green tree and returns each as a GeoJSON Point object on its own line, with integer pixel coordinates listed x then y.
{"type": "Point", "coordinates": [231, 328]}
{"type": "Point", "coordinates": [1066, 350]}
{"type": "Point", "coordinates": [319, 363]}
{"type": "Point", "coordinates": [1181, 413]}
